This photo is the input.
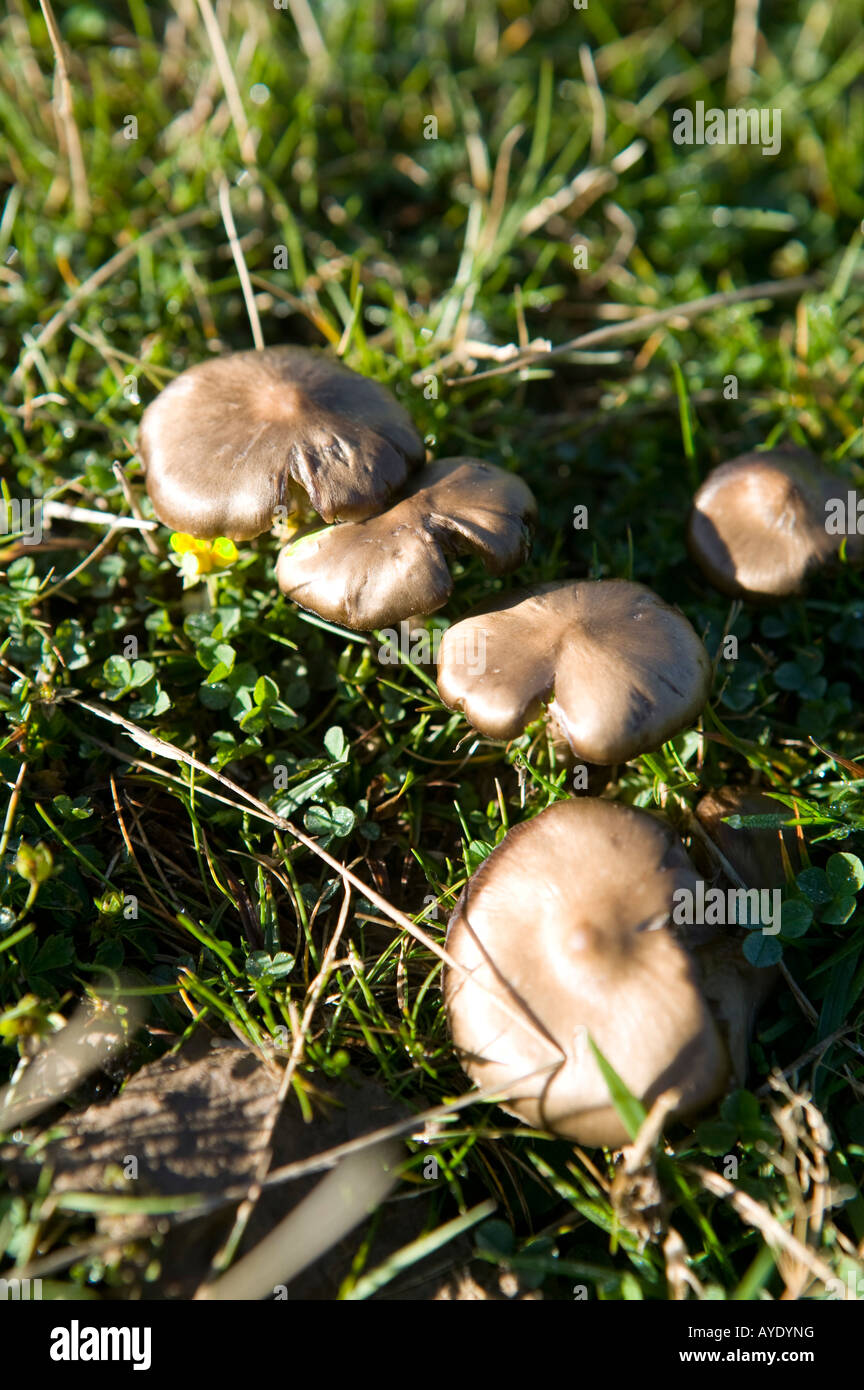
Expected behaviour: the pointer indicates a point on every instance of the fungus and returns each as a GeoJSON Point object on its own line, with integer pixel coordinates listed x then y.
{"type": "Point", "coordinates": [623, 670]}
{"type": "Point", "coordinates": [567, 926]}
{"type": "Point", "coordinates": [231, 440]}
{"type": "Point", "coordinates": [758, 524]}
{"type": "Point", "coordinates": [374, 573]}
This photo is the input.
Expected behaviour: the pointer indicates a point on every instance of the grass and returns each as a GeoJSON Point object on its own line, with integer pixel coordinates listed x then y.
{"type": "Point", "coordinates": [418, 259]}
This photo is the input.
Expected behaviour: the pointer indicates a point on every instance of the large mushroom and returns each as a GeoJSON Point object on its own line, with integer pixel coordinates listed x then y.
{"type": "Point", "coordinates": [758, 524]}
{"type": "Point", "coordinates": [373, 573]}
{"type": "Point", "coordinates": [231, 440]}
{"type": "Point", "coordinates": [565, 932]}
{"type": "Point", "coordinates": [623, 671]}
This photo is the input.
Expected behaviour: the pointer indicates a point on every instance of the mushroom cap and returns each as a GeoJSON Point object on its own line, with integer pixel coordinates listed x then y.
{"type": "Point", "coordinates": [757, 526]}
{"type": "Point", "coordinates": [568, 921]}
{"type": "Point", "coordinates": [230, 440]}
{"type": "Point", "coordinates": [369, 574]}
{"type": "Point", "coordinates": [627, 670]}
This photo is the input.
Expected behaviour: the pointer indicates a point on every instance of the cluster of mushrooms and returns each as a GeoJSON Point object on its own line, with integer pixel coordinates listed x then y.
{"type": "Point", "coordinates": [565, 933]}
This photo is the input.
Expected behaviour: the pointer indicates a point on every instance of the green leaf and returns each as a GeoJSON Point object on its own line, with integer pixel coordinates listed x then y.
{"type": "Point", "coordinates": [160, 704]}
{"type": "Point", "coordinates": [199, 626]}
{"type": "Point", "coordinates": [281, 964]}
{"type": "Point", "coordinates": [742, 1110]}
{"type": "Point", "coordinates": [217, 696]}
{"type": "Point", "coordinates": [266, 691]}
{"type": "Point", "coordinates": [110, 953]}
{"type": "Point", "coordinates": [303, 791]}
{"type": "Point", "coordinates": [631, 1111]}
{"type": "Point", "coordinates": [815, 886]}
{"type": "Point", "coordinates": [796, 916]}
{"type": "Point", "coordinates": [789, 676]}
{"type": "Point", "coordinates": [811, 660]}
{"type": "Point", "coordinates": [630, 1288]}
{"type": "Point", "coordinates": [79, 809]}
{"type": "Point", "coordinates": [228, 621]}
{"type": "Point", "coordinates": [762, 950]}
{"type": "Point", "coordinates": [212, 654]}
{"type": "Point", "coordinates": [338, 820]}
{"type": "Point", "coordinates": [716, 1136]}
{"type": "Point", "coordinates": [141, 673]}
{"type": "Point", "coordinates": [336, 744]}
{"type": "Point", "coordinates": [838, 996]}
{"type": "Point", "coordinates": [761, 822]}
{"type": "Point", "coordinates": [475, 853]}
{"type": "Point", "coordinates": [260, 965]}
{"type": "Point", "coordinates": [840, 910]}
{"type": "Point", "coordinates": [845, 873]}
{"type": "Point", "coordinates": [117, 672]}
{"type": "Point", "coordinates": [495, 1238]}
{"type": "Point", "coordinates": [55, 953]}
{"type": "Point", "coordinates": [813, 688]}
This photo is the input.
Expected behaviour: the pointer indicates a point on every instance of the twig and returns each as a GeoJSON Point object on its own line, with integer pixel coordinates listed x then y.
{"type": "Point", "coordinates": [229, 84]}
{"type": "Point", "coordinates": [583, 190]}
{"type": "Point", "coordinates": [764, 1221]}
{"type": "Point", "coordinates": [818, 1050]}
{"type": "Point", "coordinates": [742, 56]}
{"type": "Point", "coordinates": [62, 511]}
{"type": "Point", "coordinates": [107, 349]}
{"type": "Point", "coordinates": [132, 503]}
{"type": "Point", "coordinates": [240, 262]}
{"type": "Point", "coordinates": [67, 130]}
{"type": "Point", "coordinates": [11, 809]}
{"type": "Point", "coordinates": [311, 41]}
{"type": "Point", "coordinates": [598, 106]}
{"type": "Point", "coordinates": [101, 549]}
{"type": "Point", "coordinates": [643, 324]}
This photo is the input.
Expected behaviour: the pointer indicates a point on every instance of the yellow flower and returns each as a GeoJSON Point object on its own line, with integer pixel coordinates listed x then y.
{"type": "Point", "coordinates": [199, 557]}
{"type": "Point", "coordinates": [224, 551]}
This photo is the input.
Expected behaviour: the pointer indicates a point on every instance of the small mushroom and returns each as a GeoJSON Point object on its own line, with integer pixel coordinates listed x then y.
{"type": "Point", "coordinates": [758, 524]}
{"type": "Point", "coordinates": [626, 670]}
{"type": "Point", "coordinates": [373, 573]}
{"type": "Point", "coordinates": [565, 932]}
{"type": "Point", "coordinates": [230, 440]}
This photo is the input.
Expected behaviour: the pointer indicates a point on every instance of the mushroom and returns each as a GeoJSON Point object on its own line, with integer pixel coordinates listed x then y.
{"type": "Point", "coordinates": [758, 524]}
{"type": "Point", "coordinates": [231, 440]}
{"type": "Point", "coordinates": [370, 574]}
{"type": "Point", "coordinates": [626, 670]}
{"type": "Point", "coordinates": [562, 934]}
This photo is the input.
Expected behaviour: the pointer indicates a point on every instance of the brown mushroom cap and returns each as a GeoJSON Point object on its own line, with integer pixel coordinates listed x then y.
{"type": "Point", "coordinates": [758, 524]}
{"type": "Point", "coordinates": [627, 671]}
{"type": "Point", "coordinates": [568, 921]}
{"type": "Point", "coordinates": [229, 441]}
{"type": "Point", "coordinates": [369, 574]}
